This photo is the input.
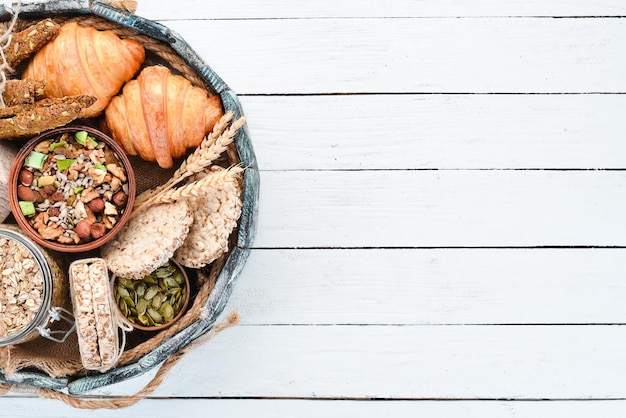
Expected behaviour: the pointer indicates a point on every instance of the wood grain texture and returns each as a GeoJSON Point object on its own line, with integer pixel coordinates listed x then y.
{"type": "Point", "coordinates": [281, 9]}
{"type": "Point", "coordinates": [450, 208]}
{"type": "Point", "coordinates": [413, 56]}
{"type": "Point", "coordinates": [441, 286]}
{"type": "Point", "coordinates": [397, 362]}
{"type": "Point", "coordinates": [270, 408]}
{"type": "Point", "coordinates": [364, 132]}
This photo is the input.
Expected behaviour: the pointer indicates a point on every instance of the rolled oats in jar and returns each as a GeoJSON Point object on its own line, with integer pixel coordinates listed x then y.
{"type": "Point", "coordinates": [33, 287]}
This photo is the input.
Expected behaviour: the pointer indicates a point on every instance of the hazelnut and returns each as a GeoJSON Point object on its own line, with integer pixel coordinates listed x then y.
{"type": "Point", "coordinates": [25, 193]}
{"type": "Point", "coordinates": [57, 197]}
{"type": "Point", "coordinates": [26, 177]}
{"type": "Point", "coordinates": [97, 230]}
{"type": "Point", "coordinates": [83, 229]}
{"type": "Point", "coordinates": [120, 199]}
{"type": "Point", "coordinates": [96, 205]}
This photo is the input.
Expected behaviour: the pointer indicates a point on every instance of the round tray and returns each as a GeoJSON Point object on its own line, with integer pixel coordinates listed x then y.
{"type": "Point", "coordinates": [246, 228]}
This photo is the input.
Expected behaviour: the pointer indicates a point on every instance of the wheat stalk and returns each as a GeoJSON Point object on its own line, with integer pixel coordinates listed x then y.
{"type": "Point", "coordinates": [207, 143]}
{"type": "Point", "coordinates": [209, 149]}
{"type": "Point", "coordinates": [191, 189]}
{"type": "Point", "coordinates": [201, 160]}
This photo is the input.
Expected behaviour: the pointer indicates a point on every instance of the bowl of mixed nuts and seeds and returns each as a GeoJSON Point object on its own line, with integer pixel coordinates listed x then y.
{"type": "Point", "coordinates": [71, 189]}
{"type": "Point", "coordinates": [156, 301]}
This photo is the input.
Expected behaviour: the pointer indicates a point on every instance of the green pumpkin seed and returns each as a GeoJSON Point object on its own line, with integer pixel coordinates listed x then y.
{"type": "Point", "coordinates": [124, 307]}
{"type": "Point", "coordinates": [167, 311]}
{"type": "Point", "coordinates": [156, 317]}
{"type": "Point", "coordinates": [178, 276]}
{"type": "Point", "coordinates": [142, 305]}
{"type": "Point", "coordinates": [149, 280]}
{"type": "Point", "coordinates": [122, 291]}
{"type": "Point", "coordinates": [173, 291]}
{"type": "Point", "coordinates": [156, 301]}
{"type": "Point", "coordinates": [125, 282]}
{"type": "Point", "coordinates": [170, 282]}
{"type": "Point", "coordinates": [129, 302]}
{"type": "Point", "coordinates": [141, 289]}
{"type": "Point", "coordinates": [151, 292]}
{"type": "Point", "coordinates": [143, 319]}
{"type": "Point", "coordinates": [162, 273]}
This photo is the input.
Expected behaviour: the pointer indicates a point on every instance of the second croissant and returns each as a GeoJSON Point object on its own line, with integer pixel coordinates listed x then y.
{"type": "Point", "coordinates": [160, 115]}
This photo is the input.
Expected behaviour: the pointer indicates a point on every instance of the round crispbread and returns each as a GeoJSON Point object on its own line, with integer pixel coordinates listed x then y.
{"type": "Point", "coordinates": [215, 213]}
{"type": "Point", "coordinates": [148, 240]}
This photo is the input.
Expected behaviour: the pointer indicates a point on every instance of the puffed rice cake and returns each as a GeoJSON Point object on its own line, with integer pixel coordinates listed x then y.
{"type": "Point", "coordinates": [215, 213]}
{"type": "Point", "coordinates": [148, 240]}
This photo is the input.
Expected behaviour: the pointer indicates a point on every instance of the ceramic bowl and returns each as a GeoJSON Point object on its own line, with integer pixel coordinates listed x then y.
{"type": "Point", "coordinates": [89, 242]}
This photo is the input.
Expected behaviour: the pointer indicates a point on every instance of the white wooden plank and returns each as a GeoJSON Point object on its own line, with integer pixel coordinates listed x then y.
{"type": "Point", "coordinates": [462, 286]}
{"type": "Point", "coordinates": [437, 131]}
{"type": "Point", "coordinates": [441, 208]}
{"type": "Point", "coordinates": [426, 362]}
{"type": "Point", "coordinates": [413, 55]}
{"type": "Point", "coordinates": [273, 9]}
{"type": "Point", "coordinates": [270, 408]}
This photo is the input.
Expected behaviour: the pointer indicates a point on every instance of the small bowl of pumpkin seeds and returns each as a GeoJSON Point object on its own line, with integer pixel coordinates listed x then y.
{"type": "Point", "coordinates": [156, 301]}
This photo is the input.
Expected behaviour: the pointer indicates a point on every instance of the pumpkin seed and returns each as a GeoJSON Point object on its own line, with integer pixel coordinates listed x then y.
{"type": "Point", "coordinates": [156, 317]}
{"type": "Point", "coordinates": [124, 307]}
{"type": "Point", "coordinates": [125, 282]}
{"type": "Point", "coordinates": [143, 319]}
{"type": "Point", "coordinates": [142, 305]}
{"type": "Point", "coordinates": [151, 292]}
{"type": "Point", "coordinates": [173, 291]}
{"type": "Point", "coordinates": [178, 276]}
{"type": "Point", "coordinates": [153, 300]}
{"type": "Point", "coordinates": [122, 291]}
{"type": "Point", "coordinates": [150, 280]}
{"type": "Point", "coordinates": [167, 311]}
{"type": "Point", "coordinates": [170, 282]}
{"type": "Point", "coordinates": [140, 289]}
{"type": "Point", "coordinates": [162, 273]}
{"type": "Point", "coordinates": [156, 301]}
{"type": "Point", "coordinates": [129, 302]}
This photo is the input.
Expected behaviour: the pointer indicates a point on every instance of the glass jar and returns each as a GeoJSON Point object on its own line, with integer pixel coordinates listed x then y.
{"type": "Point", "coordinates": [51, 284]}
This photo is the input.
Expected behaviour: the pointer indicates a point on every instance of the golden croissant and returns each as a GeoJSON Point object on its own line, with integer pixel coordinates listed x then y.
{"type": "Point", "coordinates": [160, 115]}
{"type": "Point", "coordinates": [82, 60]}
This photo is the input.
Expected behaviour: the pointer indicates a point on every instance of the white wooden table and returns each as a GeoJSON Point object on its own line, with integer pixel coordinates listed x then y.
{"type": "Point", "coordinates": [441, 225]}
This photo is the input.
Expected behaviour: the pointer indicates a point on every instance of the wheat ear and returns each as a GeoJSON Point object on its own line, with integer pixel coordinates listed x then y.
{"type": "Point", "coordinates": [191, 189]}
{"type": "Point", "coordinates": [211, 147]}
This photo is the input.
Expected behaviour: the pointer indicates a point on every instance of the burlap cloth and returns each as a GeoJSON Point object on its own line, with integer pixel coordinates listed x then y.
{"type": "Point", "coordinates": [63, 359]}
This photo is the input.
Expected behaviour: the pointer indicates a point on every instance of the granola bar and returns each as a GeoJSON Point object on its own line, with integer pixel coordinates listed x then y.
{"type": "Point", "coordinates": [97, 332]}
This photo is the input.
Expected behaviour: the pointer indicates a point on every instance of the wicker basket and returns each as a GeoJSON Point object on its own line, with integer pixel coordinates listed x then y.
{"type": "Point", "coordinates": [215, 283]}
